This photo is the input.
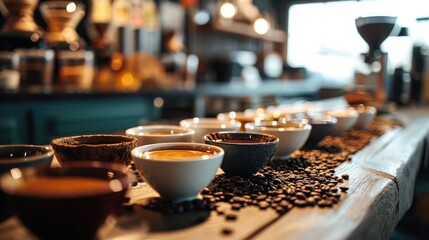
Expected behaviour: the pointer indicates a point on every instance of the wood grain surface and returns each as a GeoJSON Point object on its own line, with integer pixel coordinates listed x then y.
{"type": "Point", "coordinates": [381, 185]}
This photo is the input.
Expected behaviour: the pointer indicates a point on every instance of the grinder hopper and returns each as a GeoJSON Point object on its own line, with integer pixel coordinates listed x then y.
{"type": "Point", "coordinates": [374, 30]}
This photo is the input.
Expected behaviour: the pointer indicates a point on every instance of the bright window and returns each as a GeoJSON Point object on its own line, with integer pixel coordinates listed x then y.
{"type": "Point", "coordinates": [323, 38]}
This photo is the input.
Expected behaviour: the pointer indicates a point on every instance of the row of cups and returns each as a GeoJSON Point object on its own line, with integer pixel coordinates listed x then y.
{"type": "Point", "coordinates": [222, 143]}
{"type": "Point", "coordinates": [176, 161]}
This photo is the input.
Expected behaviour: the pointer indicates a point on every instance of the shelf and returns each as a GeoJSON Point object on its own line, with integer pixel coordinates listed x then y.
{"type": "Point", "coordinates": [246, 29]}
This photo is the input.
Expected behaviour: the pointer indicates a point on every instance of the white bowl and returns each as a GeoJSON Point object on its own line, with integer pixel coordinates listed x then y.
{"type": "Point", "coordinates": [249, 115]}
{"type": "Point", "coordinates": [178, 178]}
{"type": "Point", "coordinates": [366, 115]}
{"type": "Point", "coordinates": [202, 126]}
{"type": "Point", "coordinates": [160, 133]}
{"type": "Point", "coordinates": [292, 136]}
{"type": "Point", "coordinates": [346, 119]}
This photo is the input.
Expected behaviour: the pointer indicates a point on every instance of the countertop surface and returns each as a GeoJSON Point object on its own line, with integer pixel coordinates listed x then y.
{"type": "Point", "coordinates": [380, 191]}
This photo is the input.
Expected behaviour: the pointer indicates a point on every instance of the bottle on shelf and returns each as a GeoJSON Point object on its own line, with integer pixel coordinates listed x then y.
{"type": "Point", "coordinates": [121, 64]}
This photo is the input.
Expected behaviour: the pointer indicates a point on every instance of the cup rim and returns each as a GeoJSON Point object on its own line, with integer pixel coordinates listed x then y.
{"type": "Point", "coordinates": [134, 131]}
{"type": "Point", "coordinates": [365, 109]}
{"type": "Point", "coordinates": [275, 141]}
{"type": "Point", "coordinates": [49, 153]}
{"type": "Point", "coordinates": [279, 126]}
{"type": "Point", "coordinates": [30, 173]}
{"type": "Point", "coordinates": [60, 142]}
{"type": "Point", "coordinates": [249, 113]}
{"type": "Point", "coordinates": [210, 123]}
{"type": "Point", "coordinates": [138, 152]}
{"type": "Point", "coordinates": [351, 112]}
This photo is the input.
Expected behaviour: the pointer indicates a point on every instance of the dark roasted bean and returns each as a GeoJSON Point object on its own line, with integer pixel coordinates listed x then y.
{"type": "Point", "coordinates": [261, 197]}
{"type": "Point", "coordinates": [231, 216]}
{"type": "Point", "coordinates": [344, 188]}
{"type": "Point", "coordinates": [227, 231]}
{"type": "Point", "coordinates": [310, 201]}
{"type": "Point", "coordinates": [236, 206]}
{"type": "Point", "coordinates": [300, 203]}
{"type": "Point", "coordinates": [300, 195]}
{"type": "Point", "coordinates": [263, 205]}
{"type": "Point", "coordinates": [307, 178]}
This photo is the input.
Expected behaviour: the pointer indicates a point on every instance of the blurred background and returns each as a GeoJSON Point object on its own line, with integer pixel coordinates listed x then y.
{"type": "Point", "coordinates": [96, 66]}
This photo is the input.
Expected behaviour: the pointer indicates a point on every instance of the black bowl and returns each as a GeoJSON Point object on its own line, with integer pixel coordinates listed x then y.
{"type": "Point", "coordinates": [20, 156]}
{"type": "Point", "coordinates": [245, 153]}
{"type": "Point", "coordinates": [320, 128]}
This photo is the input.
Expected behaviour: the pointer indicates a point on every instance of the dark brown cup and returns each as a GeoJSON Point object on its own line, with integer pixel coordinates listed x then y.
{"type": "Point", "coordinates": [20, 156]}
{"type": "Point", "coordinates": [94, 147]}
{"type": "Point", "coordinates": [68, 202]}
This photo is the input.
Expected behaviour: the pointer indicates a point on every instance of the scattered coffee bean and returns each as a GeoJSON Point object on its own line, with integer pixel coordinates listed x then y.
{"type": "Point", "coordinates": [310, 201]}
{"type": "Point", "coordinates": [236, 206]}
{"type": "Point", "coordinates": [300, 203]}
{"type": "Point", "coordinates": [227, 231]}
{"type": "Point", "coordinates": [307, 178]}
{"type": "Point", "coordinates": [263, 205]}
{"type": "Point", "coordinates": [231, 216]}
{"type": "Point", "coordinates": [344, 188]}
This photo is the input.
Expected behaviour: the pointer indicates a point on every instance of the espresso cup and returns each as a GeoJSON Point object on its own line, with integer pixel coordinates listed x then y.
{"type": "Point", "coordinates": [160, 133]}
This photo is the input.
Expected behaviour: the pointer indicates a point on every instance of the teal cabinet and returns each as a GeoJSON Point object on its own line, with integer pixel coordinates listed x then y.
{"type": "Point", "coordinates": [14, 125]}
{"type": "Point", "coordinates": [39, 121]}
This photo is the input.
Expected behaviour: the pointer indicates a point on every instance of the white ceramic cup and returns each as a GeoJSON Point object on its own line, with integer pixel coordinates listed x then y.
{"type": "Point", "coordinates": [202, 126]}
{"type": "Point", "coordinates": [292, 136]}
{"type": "Point", "coordinates": [178, 176]}
{"type": "Point", "coordinates": [150, 134]}
{"type": "Point", "coordinates": [346, 119]}
{"type": "Point", "coordinates": [366, 115]}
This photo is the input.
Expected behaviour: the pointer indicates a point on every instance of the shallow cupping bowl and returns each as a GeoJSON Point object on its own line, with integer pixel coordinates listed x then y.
{"type": "Point", "coordinates": [245, 153]}
{"type": "Point", "coordinates": [21, 156]}
{"type": "Point", "coordinates": [99, 147]}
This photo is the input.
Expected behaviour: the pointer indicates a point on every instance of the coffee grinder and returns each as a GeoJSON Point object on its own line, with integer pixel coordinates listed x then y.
{"type": "Point", "coordinates": [374, 30]}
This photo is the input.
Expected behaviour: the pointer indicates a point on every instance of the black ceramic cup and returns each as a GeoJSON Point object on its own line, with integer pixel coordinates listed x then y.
{"type": "Point", "coordinates": [245, 153]}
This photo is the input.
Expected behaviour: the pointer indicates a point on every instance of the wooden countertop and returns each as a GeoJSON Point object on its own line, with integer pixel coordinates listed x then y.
{"type": "Point", "coordinates": [381, 185]}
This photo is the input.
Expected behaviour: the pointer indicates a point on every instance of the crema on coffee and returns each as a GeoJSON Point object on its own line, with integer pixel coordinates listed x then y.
{"type": "Point", "coordinates": [176, 154]}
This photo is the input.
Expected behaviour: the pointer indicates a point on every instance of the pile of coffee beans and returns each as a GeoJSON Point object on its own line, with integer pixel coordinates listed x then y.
{"type": "Point", "coordinates": [306, 179]}
{"type": "Point", "coordinates": [166, 206]}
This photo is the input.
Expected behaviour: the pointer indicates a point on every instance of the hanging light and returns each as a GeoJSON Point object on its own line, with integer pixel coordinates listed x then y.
{"type": "Point", "coordinates": [228, 9]}
{"type": "Point", "coordinates": [261, 25]}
